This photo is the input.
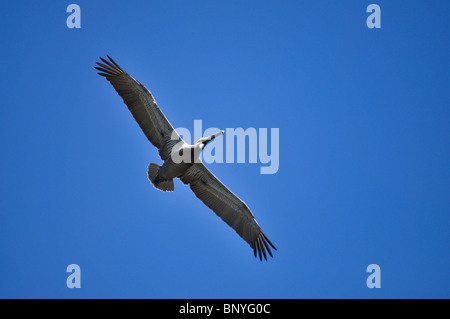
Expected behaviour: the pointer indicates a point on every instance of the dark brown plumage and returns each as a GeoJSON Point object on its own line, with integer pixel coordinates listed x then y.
{"type": "Point", "coordinates": [207, 187]}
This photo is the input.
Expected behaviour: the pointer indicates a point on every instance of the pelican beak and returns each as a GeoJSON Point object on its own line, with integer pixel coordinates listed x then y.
{"type": "Point", "coordinates": [217, 134]}
{"type": "Point", "coordinates": [209, 139]}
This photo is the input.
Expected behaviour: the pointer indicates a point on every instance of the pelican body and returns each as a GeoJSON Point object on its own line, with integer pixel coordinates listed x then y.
{"type": "Point", "coordinates": [181, 160]}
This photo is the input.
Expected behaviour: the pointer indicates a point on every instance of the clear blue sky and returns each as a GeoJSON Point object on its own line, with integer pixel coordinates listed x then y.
{"type": "Point", "coordinates": [364, 148]}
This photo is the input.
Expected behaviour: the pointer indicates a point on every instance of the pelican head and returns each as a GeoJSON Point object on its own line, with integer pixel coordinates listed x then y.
{"type": "Point", "coordinates": [205, 140]}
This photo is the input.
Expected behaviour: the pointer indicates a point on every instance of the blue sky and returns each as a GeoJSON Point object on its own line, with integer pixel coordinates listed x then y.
{"type": "Point", "coordinates": [363, 116]}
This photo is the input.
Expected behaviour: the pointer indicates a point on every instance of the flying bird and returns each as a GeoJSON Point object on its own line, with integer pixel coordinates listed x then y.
{"type": "Point", "coordinates": [190, 170]}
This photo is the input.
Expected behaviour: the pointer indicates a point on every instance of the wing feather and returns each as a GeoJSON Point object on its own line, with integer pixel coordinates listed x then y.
{"type": "Point", "coordinates": [142, 106]}
{"type": "Point", "coordinates": [230, 208]}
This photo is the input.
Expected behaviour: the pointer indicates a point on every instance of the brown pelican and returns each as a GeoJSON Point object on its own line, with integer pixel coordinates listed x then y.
{"type": "Point", "coordinates": [190, 170]}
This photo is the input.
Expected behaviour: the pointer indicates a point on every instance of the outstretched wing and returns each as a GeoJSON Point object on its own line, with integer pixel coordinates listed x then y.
{"type": "Point", "coordinates": [142, 106]}
{"type": "Point", "coordinates": [210, 190]}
